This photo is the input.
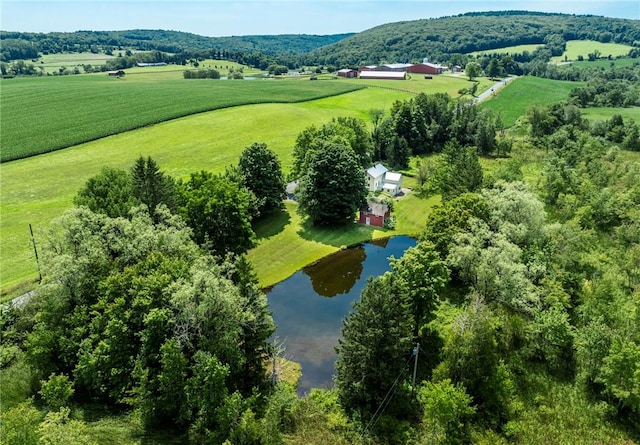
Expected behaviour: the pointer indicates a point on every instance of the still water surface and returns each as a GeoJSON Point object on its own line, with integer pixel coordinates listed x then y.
{"type": "Point", "coordinates": [309, 307]}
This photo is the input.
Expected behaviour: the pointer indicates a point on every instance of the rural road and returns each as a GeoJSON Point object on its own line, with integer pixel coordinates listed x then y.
{"type": "Point", "coordinates": [491, 91]}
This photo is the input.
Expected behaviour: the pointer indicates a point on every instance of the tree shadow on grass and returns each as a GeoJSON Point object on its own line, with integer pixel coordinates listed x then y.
{"type": "Point", "coordinates": [271, 225]}
{"type": "Point", "coordinates": [337, 236]}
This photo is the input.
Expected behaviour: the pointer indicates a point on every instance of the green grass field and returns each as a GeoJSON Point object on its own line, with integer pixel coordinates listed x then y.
{"type": "Point", "coordinates": [43, 114]}
{"type": "Point", "coordinates": [513, 100]}
{"type": "Point", "coordinates": [582, 48]}
{"type": "Point", "coordinates": [607, 113]}
{"type": "Point", "coordinates": [516, 49]}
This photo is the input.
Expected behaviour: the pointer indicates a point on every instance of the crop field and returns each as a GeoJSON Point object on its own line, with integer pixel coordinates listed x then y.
{"type": "Point", "coordinates": [43, 114]}
{"type": "Point", "coordinates": [513, 100]}
{"type": "Point", "coordinates": [582, 48]}
{"type": "Point", "coordinates": [35, 190]}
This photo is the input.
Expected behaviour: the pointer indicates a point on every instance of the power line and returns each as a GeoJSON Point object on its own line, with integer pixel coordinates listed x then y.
{"type": "Point", "coordinates": [386, 400]}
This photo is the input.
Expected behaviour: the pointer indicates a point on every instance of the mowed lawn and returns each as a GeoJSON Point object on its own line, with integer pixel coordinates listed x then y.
{"type": "Point", "coordinates": [38, 189]}
{"type": "Point", "coordinates": [514, 99]}
{"type": "Point", "coordinates": [42, 114]}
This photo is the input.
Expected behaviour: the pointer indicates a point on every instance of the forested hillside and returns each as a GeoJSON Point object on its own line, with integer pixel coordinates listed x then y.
{"type": "Point", "coordinates": [438, 39]}
{"type": "Point", "coordinates": [26, 45]}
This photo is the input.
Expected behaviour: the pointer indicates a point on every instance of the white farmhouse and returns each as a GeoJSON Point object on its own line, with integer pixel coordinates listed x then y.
{"type": "Point", "coordinates": [380, 178]}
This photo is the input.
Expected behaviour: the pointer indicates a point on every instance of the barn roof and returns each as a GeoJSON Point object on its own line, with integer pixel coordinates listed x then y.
{"type": "Point", "coordinates": [383, 75]}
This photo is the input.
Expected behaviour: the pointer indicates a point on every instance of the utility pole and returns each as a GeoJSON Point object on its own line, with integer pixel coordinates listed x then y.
{"type": "Point", "coordinates": [35, 249]}
{"type": "Point", "coordinates": [416, 350]}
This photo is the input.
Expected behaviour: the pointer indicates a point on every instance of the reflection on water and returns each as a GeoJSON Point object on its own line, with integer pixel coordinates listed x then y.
{"type": "Point", "coordinates": [309, 322]}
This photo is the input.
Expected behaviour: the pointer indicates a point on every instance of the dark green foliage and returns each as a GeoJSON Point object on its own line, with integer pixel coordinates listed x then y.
{"type": "Point", "coordinates": [109, 192]}
{"type": "Point", "coordinates": [348, 131]}
{"type": "Point", "coordinates": [138, 315]}
{"type": "Point", "coordinates": [374, 350]}
{"type": "Point", "coordinates": [152, 187]}
{"type": "Point", "coordinates": [423, 275]}
{"type": "Point", "coordinates": [445, 39]}
{"type": "Point", "coordinates": [207, 73]}
{"type": "Point", "coordinates": [461, 172]}
{"type": "Point", "coordinates": [471, 357]}
{"type": "Point", "coordinates": [262, 175]}
{"type": "Point", "coordinates": [217, 210]}
{"type": "Point", "coordinates": [333, 188]}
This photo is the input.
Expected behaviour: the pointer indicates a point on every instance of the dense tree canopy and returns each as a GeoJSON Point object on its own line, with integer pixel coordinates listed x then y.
{"type": "Point", "coordinates": [137, 314]}
{"type": "Point", "coordinates": [217, 210]}
{"type": "Point", "coordinates": [262, 175]}
{"type": "Point", "coordinates": [333, 188]}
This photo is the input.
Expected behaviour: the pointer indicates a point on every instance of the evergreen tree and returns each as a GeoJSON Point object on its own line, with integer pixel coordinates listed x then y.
{"type": "Point", "coordinates": [374, 350]}
{"type": "Point", "coordinates": [152, 187]}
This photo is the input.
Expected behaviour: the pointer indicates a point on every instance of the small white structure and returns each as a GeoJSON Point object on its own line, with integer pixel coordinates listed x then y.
{"type": "Point", "coordinates": [380, 178]}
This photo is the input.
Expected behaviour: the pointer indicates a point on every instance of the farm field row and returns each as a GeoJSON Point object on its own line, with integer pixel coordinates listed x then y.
{"type": "Point", "coordinates": [574, 49]}
{"type": "Point", "coordinates": [43, 114]}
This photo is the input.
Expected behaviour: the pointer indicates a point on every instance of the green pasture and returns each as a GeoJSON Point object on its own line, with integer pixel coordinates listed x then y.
{"type": "Point", "coordinates": [582, 48]}
{"type": "Point", "coordinates": [514, 99]}
{"type": "Point", "coordinates": [42, 114]}
{"type": "Point", "coordinates": [516, 49]}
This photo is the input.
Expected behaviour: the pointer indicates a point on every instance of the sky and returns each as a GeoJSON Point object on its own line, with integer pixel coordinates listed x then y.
{"type": "Point", "coordinates": [216, 18]}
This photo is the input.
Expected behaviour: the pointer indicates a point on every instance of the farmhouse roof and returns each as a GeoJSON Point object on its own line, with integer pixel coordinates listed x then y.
{"type": "Point", "coordinates": [377, 170]}
{"type": "Point", "coordinates": [392, 176]}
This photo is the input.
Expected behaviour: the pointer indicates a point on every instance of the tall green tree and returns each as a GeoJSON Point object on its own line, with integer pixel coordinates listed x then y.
{"type": "Point", "coordinates": [217, 210]}
{"type": "Point", "coordinates": [374, 350]}
{"type": "Point", "coordinates": [424, 275]}
{"type": "Point", "coordinates": [110, 192]}
{"type": "Point", "coordinates": [262, 175]}
{"type": "Point", "coordinates": [152, 187]}
{"type": "Point", "coordinates": [461, 171]}
{"type": "Point", "coordinates": [333, 188]}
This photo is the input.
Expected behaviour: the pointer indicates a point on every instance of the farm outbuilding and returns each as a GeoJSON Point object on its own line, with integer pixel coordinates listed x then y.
{"type": "Point", "coordinates": [384, 75]}
{"type": "Point", "coordinates": [374, 214]}
{"type": "Point", "coordinates": [427, 68]}
{"type": "Point", "coordinates": [348, 73]}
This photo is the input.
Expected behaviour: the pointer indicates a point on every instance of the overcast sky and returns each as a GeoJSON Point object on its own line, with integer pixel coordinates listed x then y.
{"type": "Point", "coordinates": [249, 17]}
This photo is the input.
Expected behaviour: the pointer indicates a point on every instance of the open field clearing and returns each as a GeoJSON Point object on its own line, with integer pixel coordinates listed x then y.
{"type": "Point", "coordinates": [582, 48]}
{"type": "Point", "coordinates": [607, 113]}
{"type": "Point", "coordinates": [513, 100]}
{"type": "Point", "coordinates": [45, 114]}
{"type": "Point", "coordinates": [516, 49]}
{"type": "Point", "coordinates": [37, 189]}
{"type": "Point", "coordinates": [606, 63]}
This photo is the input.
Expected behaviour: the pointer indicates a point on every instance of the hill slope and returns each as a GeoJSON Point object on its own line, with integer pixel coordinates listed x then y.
{"type": "Point", "coordinates": [437, 39]}
{"type": "Point", "coordinates": [28, 45]}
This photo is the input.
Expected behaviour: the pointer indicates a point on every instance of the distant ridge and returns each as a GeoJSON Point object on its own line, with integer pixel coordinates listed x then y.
{"type": "Point", "coordinates": [175, 41]}
{"type": "Point", "coordinates": [437, 39]}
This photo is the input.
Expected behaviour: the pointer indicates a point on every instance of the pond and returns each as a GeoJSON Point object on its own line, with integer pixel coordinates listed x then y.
{"type": "Point", "coordinates": [309, 307]}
